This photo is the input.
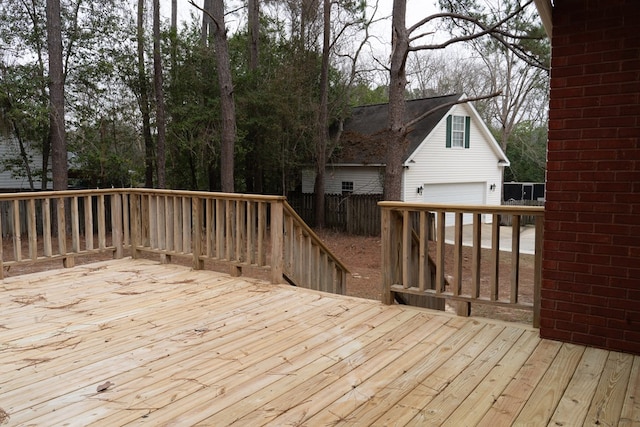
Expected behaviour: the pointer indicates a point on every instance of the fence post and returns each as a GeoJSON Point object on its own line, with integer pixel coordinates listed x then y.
{"type": "Point", "coordinates": [277, 241]}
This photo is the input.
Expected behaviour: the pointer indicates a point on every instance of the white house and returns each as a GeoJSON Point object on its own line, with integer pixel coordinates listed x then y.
{"type": "Point", "coordinates": [9, 181]}
{"type": "Point", "coordinates": [452, 156]}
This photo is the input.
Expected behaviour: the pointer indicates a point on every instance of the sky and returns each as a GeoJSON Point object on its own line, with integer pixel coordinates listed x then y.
{"type": "Point", "coordinates": [416, 9]}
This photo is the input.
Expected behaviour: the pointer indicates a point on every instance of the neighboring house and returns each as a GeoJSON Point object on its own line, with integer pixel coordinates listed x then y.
{"type": "Point", "coordinates": [452, 156]}
{"type": "Point", "coordinates": [9, 181]}
{"type": "Point", "coordinates": [591, 258]}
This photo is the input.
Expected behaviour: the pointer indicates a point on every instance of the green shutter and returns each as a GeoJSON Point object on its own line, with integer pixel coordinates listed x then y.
{"type": "Point", "coordinates": [467, 131]}
{"type": "Point", "coordinates": [449, 120]}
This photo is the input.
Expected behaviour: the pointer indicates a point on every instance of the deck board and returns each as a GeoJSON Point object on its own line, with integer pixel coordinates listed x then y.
{"type": "Point", "coordinates": [184, 347]}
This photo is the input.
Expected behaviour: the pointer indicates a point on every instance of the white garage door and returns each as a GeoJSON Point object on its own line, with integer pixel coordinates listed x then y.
{"type": "Point", "coordinates": [468, 193]}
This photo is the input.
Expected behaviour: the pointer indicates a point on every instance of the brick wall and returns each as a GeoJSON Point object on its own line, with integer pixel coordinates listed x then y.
{"type": "Point", "coordinates": [591, 261]}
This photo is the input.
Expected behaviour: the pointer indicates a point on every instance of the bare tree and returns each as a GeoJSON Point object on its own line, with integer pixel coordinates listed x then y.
{"type": "Point", "coordinates": [159, 92]}
{"type": "Point", "coordinates": [406, 40]}
{"type": "Point", "coordinates": [56, 97]}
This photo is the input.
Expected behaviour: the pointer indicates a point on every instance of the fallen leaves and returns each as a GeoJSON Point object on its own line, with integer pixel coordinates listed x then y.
{"type": "Point", "coordinates": [104, 387]}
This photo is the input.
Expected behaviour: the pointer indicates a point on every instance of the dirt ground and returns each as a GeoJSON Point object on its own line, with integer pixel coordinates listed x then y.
{"type": "Point", "coordinates": [362, 256]}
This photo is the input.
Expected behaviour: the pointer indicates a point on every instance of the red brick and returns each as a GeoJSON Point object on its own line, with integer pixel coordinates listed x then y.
{"type": "Point", "coordinates": [555, 334]}
{"type": "Point", "coordinates": [608, 313]}
{"type": "Point", "coordinates": [592, 300]}
{"type": "Point", "coordinates": [591, 279]}
{"type": "Point", "coordinates": [624, 345]}
{"type": "Point", "coordinates": [612, 208]}
{"type": "Point", "coordinates": [592, 259]}
{"type": "Point", "coordinates": [601, 111]}
{"type": "Point", "coordinates": [589, 340]}
{"type": "Point", "coordinates": [595, 275]}
{"type": "Point", "coordinates": [581, 104]}
{"type": "Point", "coordinates": [568, 307]}
{"type": "Point", "coordinates": [608, 333]}
{"type": "Point", "coordinates": [572, 326]}
{"type": "Point", "coordinates": [589, 320]}
{"type": "Point", "coordinates": [598, 197]}
{"type": "Point", "coordinates": [624, 76]}
{"type": "Point", "coordinates": [617, 121]}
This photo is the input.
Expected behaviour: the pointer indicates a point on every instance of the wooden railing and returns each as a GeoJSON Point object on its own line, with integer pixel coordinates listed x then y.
{"type": "Point", "coordinates": [61, 225]}
{"type": "Point", "coordinates": [415, 234]}
{"type": "Point", "coordinates": [234, 229]}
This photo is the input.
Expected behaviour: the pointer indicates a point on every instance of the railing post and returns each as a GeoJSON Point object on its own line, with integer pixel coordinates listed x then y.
{"type": "Point", "coordinates": [67, 262]}
{"type": "Point", "coordinates": [537, 272]}
{"type": "Point", "coordinates": [116, 224]}
{"type": "Point", "coordinates": [196, 212]}
{"type": "Point", "coordinates": [277, 241]}
{"type": "Point", "coordinates": [387, 256]}
{"type": "Point", "coordinates": [134, 205]}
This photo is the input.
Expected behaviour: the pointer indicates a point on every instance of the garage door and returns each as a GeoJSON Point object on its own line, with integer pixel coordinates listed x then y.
{"type": "Point", "coordinates": [468, 193]}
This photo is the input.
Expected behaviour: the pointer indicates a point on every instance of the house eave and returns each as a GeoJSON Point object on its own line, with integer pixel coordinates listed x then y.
{"type": "Point", "coordinates": [343, 165]}
{"type": "Point", "coordinates": [545, 9]}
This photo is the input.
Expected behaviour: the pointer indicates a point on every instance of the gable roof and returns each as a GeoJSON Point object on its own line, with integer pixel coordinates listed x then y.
{"type": "Point", "coordinates": [363, 140]}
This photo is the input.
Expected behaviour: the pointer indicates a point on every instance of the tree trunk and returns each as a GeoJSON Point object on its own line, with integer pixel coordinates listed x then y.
{"type": "Point", "coordinates": [254, 34]}
{"type": "Point", "coordinates": [144, 100]}
{"type": "Point", "coordinates": [396, 141]}
{"type": "Point", "coordinates": [253, 161]}
{"type": "Point", "coordinates": [159, 92]}
{"type": "Point", "coordinates": [174, 38]}
{"type": "Point", "coordinates": [206, 22]}
{"type": "Point", "coordinates": [56, 97]}
{"type": "Point", "coordinates": [228, 137]}
{"type": "Point", "coordinates": [322, 134]}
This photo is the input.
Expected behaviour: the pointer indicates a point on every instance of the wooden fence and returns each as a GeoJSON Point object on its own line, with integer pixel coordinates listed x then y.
{"type": "Point", "coordinates": [351, 213]}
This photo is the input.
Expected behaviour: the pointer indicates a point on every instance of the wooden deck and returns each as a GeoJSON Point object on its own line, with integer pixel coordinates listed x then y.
{"type": "Point", "coordinates": [170, 346]}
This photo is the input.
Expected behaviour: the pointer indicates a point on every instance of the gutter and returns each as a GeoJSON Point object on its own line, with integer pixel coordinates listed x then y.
{"type": "Point", "coordinates": [545, 10]}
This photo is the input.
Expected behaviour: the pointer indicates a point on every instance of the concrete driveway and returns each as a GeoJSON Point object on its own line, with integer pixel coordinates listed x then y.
{"type": "Point", "coordinates": [527, 237]}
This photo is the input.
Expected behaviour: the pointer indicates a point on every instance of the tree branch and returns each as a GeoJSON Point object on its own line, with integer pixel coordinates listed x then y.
{"type": "Point", "coordinates": [490, 30]}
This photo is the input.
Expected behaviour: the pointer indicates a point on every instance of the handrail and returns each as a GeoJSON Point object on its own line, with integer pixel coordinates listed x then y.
{"type": "Point", "coordinates": [317, 240]}
{"type": "Point", "coordinates": [407, 229]}
{"type": "Point", "coordinates": [307, 260]}
{"type": "Point", "coordinates": [239, 230]}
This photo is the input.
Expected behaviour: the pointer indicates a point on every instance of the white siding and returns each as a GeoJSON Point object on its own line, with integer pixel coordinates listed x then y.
{"type": "Point", "coordinates": [9, 148]}
{"type": "Point", "coordinates": [366, 179]}
{"type": "Point", "coordinates": [433, 163]}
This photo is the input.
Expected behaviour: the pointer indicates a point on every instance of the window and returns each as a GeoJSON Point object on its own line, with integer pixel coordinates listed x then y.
{"type": "Point", "coordinates": [458, 131]}
{"type": "Point", "coordinates": [347, 187]}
